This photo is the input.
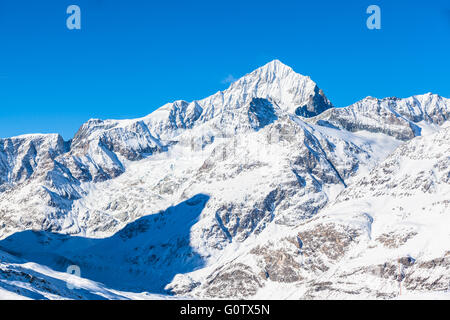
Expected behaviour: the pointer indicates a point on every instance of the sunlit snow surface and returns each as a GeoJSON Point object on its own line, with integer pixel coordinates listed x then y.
{"type": "Point", "coordinates": [234, 196]}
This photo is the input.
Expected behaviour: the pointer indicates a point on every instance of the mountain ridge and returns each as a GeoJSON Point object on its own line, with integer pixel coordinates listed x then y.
{"type": "Point", "coordinates": [270, 183]}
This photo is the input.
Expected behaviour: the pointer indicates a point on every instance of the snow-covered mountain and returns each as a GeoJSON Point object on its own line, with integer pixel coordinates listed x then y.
{"type": "Point", "coordinates": [262, 190]}
{"type": "Point", "coordinates": [403, 119]}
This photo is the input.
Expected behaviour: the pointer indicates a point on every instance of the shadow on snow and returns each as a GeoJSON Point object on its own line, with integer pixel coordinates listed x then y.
{"type": "Point", "coordinates": [143, 256]}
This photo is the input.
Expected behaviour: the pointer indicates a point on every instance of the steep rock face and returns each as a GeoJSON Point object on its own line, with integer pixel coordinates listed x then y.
{"type": "Point", "coordinates": [316, 104]}
{"type": "Point", "coordinates": [24, 156]}
{"type": "Point", "coordinates": [420, 166]}
{"type": "Point", "coordinates": [387, 226]}
{"type": "Point", "coordinates": [428, 107]}
{"type": "Point", "coordinates": [400, 118]}
{"type": "Point", "coordinates": [274, 81]}
{"type": "Point", "coordinates": [261, 113]}
{"type": "Point", "coordinates": [403, 206]}
{"type": "Point", "coordinates": [132, 140]}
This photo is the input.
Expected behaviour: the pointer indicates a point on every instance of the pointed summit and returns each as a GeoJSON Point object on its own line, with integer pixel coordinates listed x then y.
{"type": "Point", "coordinates": [276, 67]}
{"type": "Point", "coordinates": [293, 92]}
{"type": "Point", "coordinates": [276, 82]}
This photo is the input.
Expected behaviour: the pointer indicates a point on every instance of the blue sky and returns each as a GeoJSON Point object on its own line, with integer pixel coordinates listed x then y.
{"type": "Point", "coordinates": [131, 57]}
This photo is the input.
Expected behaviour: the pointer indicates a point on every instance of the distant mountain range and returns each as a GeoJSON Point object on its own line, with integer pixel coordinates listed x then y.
{"type": "Point", "coordinates": [264, 190]}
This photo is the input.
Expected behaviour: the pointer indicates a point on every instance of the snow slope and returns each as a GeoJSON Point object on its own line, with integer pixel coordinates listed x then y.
{"type": "Point", "coordinates": [263, 190]}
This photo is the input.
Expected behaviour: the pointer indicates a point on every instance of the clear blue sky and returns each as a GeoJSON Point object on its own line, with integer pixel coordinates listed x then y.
{"type": "Point", "coordinates": [133, 56]}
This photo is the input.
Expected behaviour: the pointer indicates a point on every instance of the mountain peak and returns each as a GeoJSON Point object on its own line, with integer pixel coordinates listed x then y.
{"type": "Point", "coordinates": [293, 92]}
{"type": "Point", "coordinates": [276, 66]}
{"type": "Point", "coordinates": [274, 69]}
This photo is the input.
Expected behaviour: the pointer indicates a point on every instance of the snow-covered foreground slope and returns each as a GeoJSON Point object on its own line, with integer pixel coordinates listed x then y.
{"type": "Point", "coordinates": [22, 280]}
{"type": "Point", "coordinates": [263, 190]}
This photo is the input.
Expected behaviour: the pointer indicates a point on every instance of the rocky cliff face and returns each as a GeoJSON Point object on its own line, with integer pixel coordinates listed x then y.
{"type": "Point", "coordinates": [403, 119]}
{"type": "Point", "coordinates": [25, 156]}
{"type": "Point", "coordinates": [261, 188]}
